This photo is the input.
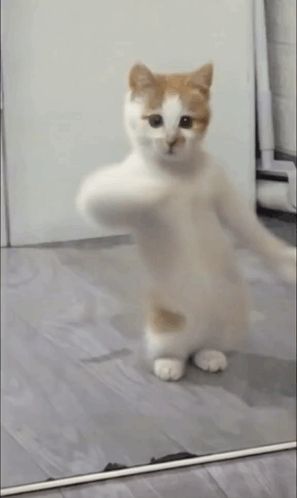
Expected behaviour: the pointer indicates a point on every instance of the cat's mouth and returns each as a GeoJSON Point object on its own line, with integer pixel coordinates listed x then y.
{"type": "Point", "coordinates": [171, 156]}
{"type": "Point", "coordinates": [171, 151]}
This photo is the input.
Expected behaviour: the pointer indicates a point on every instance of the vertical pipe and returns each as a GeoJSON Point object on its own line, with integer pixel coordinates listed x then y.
{"type": "Point", "coordinates": [264, 98]}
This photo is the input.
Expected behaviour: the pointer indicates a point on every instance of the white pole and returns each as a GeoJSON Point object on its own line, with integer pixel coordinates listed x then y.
{"type": "Point", "coordinates": [264, 98]}
{"type": "Point", "coordinates": [145, 469]}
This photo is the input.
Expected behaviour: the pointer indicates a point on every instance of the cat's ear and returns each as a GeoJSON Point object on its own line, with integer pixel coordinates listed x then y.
{"type": "Point", "coordinates": [202, 78]}
{"type": "Point", "coordinates": [140, 78]}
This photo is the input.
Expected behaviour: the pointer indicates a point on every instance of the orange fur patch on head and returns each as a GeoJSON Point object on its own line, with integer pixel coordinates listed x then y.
{"type": "Point", "coordinates": [163, 320]}
{"type": "Point", "coordinates": [192, 88]}
{"type": "Point", "coordinates": [140, 78]}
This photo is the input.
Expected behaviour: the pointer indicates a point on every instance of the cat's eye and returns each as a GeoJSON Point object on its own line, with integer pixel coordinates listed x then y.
{"type": "Point", "coordinates": [155, 120]}
{"type": "Point", "coordinates": [186, 122]}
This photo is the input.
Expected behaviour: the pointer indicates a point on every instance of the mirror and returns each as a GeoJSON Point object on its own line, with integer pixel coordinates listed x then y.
{"type": "Point", "coordinates": [77, 394]}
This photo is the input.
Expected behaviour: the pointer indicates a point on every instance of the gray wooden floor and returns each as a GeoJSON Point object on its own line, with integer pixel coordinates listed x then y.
{"type": "Point", "coordinates": [76, 394]}
{"type": "Point", "coordinates": [270, 476]}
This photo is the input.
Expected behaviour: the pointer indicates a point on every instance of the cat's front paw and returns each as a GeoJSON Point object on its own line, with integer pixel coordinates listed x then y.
{"type": "Point", "coordinates": [169, 368]}
{"type": "Point", "coordinates": [286, 268]}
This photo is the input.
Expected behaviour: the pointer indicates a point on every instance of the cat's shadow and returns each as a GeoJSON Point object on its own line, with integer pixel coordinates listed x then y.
{"type": "Point", "coordinates": [257, 379]}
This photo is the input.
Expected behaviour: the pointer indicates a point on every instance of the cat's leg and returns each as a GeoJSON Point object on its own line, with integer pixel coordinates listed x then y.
{"type": "Point", "coordinates": [166, 343]}
{"type": "Point", "coordinates": [228, 326]}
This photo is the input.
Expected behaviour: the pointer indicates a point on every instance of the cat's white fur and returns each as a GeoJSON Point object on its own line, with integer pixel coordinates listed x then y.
{"type": "Point", "coordinates": [181, 208]}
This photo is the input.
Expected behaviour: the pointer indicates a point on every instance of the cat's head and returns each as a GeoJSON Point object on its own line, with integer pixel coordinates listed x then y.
{"type": "Point", "coordinates": [168, 115]}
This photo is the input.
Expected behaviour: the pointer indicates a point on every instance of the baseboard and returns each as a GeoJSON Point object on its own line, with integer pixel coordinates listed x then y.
{"type": "Point", "coordinates": [285, 156]}
{"type": "Point", "coordinates": [273, 213]}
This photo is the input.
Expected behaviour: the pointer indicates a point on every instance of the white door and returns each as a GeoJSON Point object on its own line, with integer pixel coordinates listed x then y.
{"type": "Point", "coordinates": [64, 66]}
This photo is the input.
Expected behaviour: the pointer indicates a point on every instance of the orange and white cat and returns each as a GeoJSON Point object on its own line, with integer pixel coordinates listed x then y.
{"type": "Point", "coordinates": [182, 208]}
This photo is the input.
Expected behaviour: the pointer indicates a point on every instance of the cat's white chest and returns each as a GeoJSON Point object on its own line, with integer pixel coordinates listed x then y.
{"type": "Point", "coordinates": [185, 247]}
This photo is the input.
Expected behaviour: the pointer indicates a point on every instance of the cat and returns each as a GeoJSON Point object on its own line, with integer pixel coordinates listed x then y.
{"type": "Point", "coordinates": [182, 208]}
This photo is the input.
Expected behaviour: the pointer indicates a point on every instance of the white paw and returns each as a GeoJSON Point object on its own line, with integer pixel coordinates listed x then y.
{"type": "Point", "coordinates": [169, 369]}
{"type": "Point", "coordinates": [210, 361]}
{"type": "Point", "coordinates": [287, 268]}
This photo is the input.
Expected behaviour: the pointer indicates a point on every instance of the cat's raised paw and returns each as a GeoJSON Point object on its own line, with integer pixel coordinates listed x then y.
{"type": "Point", "coordinates": [210, 360]}
{"type": "Point", "coordinates": [169, 369]}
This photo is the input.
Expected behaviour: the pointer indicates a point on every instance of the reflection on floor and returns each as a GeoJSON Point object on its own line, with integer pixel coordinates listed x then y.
{"type": "Point", "coordinates": [75, 392]}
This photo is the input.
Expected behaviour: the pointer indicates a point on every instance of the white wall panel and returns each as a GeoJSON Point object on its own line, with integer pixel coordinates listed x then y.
{"type": "Point", "coordinates": [65, 64]}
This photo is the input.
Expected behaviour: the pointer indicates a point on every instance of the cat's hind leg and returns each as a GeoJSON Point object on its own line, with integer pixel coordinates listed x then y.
{"type": "Point", "coordinates": [166, 343]}
{"type": "Point", "coordinates": [169, 368]}
{"type": "Point", "coordinates": [210, 360]}
{"type": "Point", "coordinates": [228, 327]}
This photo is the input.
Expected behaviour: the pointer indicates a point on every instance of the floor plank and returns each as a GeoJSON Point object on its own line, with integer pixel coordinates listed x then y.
{"type": "Point", "coordinates": [15, 461]}
{"type": "Point", "coordinates": [271, 476]}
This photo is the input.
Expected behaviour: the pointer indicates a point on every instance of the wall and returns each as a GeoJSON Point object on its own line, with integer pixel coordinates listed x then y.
{"type": "Point", "coordinates": [281, 33]}
{"type": "Point", "coordinates": [65, 66]}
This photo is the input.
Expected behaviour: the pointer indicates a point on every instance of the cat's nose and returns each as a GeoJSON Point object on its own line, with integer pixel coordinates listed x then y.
{"type": "Point", "coordinates": [171, 142]}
